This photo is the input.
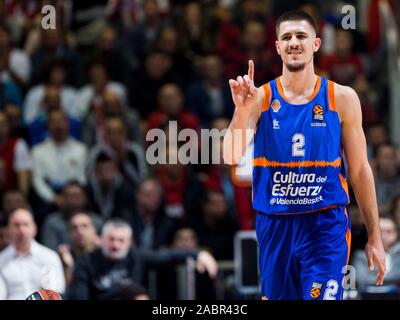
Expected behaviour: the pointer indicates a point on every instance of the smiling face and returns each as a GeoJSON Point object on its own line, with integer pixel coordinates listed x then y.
{"type": "Point", "coordinates": [297, 42]}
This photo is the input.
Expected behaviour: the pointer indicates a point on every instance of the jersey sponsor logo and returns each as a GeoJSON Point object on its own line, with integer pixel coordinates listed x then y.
{"type": "Point", "coordinates": [315, 291]}
{"type": "Point", "coordinates": [296, 188]}
{"type": "Point", "coordinates": [275, 105]}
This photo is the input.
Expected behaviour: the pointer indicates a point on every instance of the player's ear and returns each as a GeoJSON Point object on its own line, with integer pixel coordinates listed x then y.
{"type": "Point", "coordinates": [316, 44]}
{"type": "Point", "coordinates": [277, 47]}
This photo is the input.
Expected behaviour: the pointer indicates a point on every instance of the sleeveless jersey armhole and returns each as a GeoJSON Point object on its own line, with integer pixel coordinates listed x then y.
{"type": "Point", "coordinates": [331, 98]}
{"type": "Point", "coordinates": [267, 97]}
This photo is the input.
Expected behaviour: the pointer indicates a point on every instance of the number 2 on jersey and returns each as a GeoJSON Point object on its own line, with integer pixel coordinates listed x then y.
{"type": "Point", "coordinates": [298, 142]}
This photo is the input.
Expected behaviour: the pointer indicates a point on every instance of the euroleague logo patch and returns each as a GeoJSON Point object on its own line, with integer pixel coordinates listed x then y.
{"type": "Point", "coordinates": [318, 112]}
{"type": "Point", "coordinates": [315, 291]}
{"type": "Point", "coordinates": [275, 105]}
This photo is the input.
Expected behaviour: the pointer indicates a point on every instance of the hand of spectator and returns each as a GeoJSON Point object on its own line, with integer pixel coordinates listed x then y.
{"type": "Point", "coordinates": [206, 262]}
{"type": "Point", "coordinates": [66, 256]}
{"type": "Point", "coordinates": [375, 254]}
{"type": "Point", "coordinates": [244, 93]}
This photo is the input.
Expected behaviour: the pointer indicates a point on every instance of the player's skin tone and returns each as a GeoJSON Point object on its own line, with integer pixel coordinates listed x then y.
{"type": "Point", "coordinates": [296, 44]}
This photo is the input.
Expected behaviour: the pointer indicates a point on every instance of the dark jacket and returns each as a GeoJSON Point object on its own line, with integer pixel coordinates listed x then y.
{"type": "Point", "coordinates": [96, 277]}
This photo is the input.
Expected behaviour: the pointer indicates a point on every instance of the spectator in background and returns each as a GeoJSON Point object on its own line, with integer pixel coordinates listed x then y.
{"type": "Point", "coordinates": [90, 96]}
{"type": "Point", "coordinates": [14, 152]}
{"type": "Point", "coordinates": [25, 265]}
{"type": "Point", "coordinates": [220, 177]}
{"type": "Point", "coordinates": [156, 71]}
{"type": "Point", "coordinates": [359, 236]}
{"type": "Point", "coordinates": [363, 90]}
{"type": "Point", "coordinates": [128, 155]}
{"type": "Point", "coordinates": [142, 34]}
{"type": "Point", "coordinates": [171, 108]}
{"type": "Point", "coordinates": [367, 279]}
{"type": "Point", "coordinates": [167, 42]}
{"type": "Point", "coordinates": [4, 236]}
{"type": "Point", "coordinates": [83, 239]}
{"type": "Point", "coordinates": [54, 231]}
{"type": "Point", "coordinates": [38, 130]}
{"type": "Point", "coordinates": [152, 228]}
{"type": "Point", "coordinates": [210, 98]}
{"type": "Point", "coordinates": [181, 187]}
{"type": "Point", "coordinates": [18, 129]}
{"type": "Point", "coordinates": [343, 66]}
{"type": "Point", "coordinates": [395, 211]}
{"type": "Point", "coordinates": [215, 229]}
{"type": "Point", "coordinates": [387, 178]}
{"type": "Point", "coordinates": [376, 135]}
{"type": "Point", "coordinates": [250, 34]}
{"type": "Point", "coordinates": [167, 277]}
{"type": "Point", "coordinates": [94, 125]}
{"type": "Point", "coordinates": [111, 55]}
{"type": "Point", "coordinates": [12, 199]}
{"type": "Point", "coordinates": [10, 95]}
{"type": "Point", "coordinates": [105, 273]}
{"type": "Point", "coordinates": [37, 103]}
{"type": "Point", "coordinates": [252, 46]}
{"type": "Point", "coordinates": [54, 47]}
{"type": "Point", "coordinates": [57, 160]}
{"type": "Point", "coordinates": [14, 63]}
{"type": "Point", "coordinates": [195, 31]}
{"type": "Point", "coordinates": [110, 194]}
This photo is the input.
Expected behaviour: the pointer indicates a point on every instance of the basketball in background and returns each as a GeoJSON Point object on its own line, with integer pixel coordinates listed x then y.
{"type": "Point", "coordinates": [44, 295]}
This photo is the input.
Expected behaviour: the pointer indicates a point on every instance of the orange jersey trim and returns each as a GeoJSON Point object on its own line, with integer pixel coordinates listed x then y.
{"type": "Point", "coordinates": [263, 162]}
{"type": "Point", "coordinates": [267, 97]}
{"type": "Point", "coordinates": [331, 95]}
{"type": "Point", "coordinates": [345, 186]}
{"type": "Point", "coordinates": [315, 92]}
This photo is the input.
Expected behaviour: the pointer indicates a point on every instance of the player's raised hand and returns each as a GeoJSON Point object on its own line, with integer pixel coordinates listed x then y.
{"type": "Point", "coordinates": [244, 93]}
{"type": "Point", "coordinates": [375, 254]}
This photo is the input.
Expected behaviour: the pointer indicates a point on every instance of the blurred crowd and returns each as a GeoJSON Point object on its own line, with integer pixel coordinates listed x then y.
{"type": "Point", "coordinates": [77, 101]}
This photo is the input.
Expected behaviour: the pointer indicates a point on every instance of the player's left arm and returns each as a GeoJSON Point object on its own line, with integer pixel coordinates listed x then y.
{"type": "Point", "coordinates": [360, 174]}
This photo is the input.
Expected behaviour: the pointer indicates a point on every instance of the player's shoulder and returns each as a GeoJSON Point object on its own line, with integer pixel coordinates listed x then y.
{"type": "Point", "coordinates": [346, 101]}
{"type": "Point", "coordinates": [343, 92]}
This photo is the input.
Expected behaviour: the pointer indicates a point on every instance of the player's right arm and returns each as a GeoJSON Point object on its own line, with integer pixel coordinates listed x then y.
{"type": "Point", "coordinates": [248, 100]}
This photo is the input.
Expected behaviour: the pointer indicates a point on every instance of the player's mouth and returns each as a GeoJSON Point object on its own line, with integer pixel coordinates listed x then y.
{"type": "Point", "coordinates": [295, 52]}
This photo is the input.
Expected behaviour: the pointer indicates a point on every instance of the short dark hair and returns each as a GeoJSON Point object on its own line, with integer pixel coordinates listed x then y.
{"type": "Point", "coordinates": [103, 157]}
{"type": "Point", "coordinates": [295, 15]}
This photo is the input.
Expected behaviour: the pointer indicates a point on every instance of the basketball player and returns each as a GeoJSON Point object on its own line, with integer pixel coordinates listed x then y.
{"type": "Point", "coordinates": [303, 125]}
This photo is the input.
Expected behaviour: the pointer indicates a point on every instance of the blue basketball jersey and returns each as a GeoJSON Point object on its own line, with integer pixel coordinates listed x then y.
{"type": "Point", "coordinates": [297, 161]}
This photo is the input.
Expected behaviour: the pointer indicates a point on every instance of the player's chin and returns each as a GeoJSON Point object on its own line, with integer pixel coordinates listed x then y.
{"type": "Point", "coordinates": [296, 66]}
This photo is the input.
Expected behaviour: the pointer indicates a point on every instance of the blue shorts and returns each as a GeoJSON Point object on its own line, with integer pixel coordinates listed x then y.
{"type": "Point", "coordinates": [301, 257]}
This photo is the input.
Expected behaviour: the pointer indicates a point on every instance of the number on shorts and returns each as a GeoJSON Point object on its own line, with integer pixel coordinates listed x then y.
{"type": "Point", "coordinates": [298, 141]}
{"type": "Point", "coordinates": [331, 290]}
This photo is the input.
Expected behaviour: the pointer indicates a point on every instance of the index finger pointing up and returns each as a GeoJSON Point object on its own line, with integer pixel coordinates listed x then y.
{"type": "Point", "coordinates": [251, 70]}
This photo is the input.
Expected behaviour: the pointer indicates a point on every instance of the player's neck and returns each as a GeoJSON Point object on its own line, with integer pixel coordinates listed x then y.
{"type": "Point", "coordinates": [299, 82]}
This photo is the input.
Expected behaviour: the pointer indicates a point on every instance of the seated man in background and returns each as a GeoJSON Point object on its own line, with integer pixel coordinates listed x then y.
{"type": "Point", "coordinates": [110, 194]}
{"type": "Point", "coordinates": [25, 265]}
{"type": "Point", "coordinates": [105, 272]}
{"type": "Point", "coordinates": [366, 279]}
{"type": "Point", "coordinates": [83, 238]}
{"type": "Point", "coordinates": [167, 277]}
{"type": "Point", "coordinates": [56, 161]}
{"type": "Point", "coordinates": [55, 228]}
